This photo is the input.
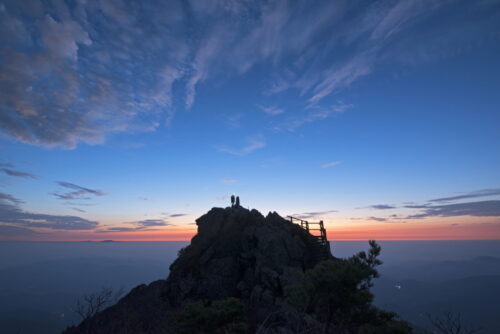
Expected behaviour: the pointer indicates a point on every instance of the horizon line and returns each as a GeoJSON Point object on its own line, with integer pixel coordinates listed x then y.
{"type": "Point", "coordinates": [337, 240]}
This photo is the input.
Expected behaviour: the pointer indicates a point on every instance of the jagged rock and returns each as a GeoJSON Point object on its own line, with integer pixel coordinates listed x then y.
{"type": "Point", "coordinates": [236, 253]}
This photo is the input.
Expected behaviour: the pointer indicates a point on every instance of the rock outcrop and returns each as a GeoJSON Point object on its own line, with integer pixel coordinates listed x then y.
{"type": "Point", "coordinates": [240, 253]}
{"type": "Point", "coordinates": [236, 253]}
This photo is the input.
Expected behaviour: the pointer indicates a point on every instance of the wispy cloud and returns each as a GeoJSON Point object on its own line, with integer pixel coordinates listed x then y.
{"type": "Point", "coordinates": [382, 206]}
{"type": "Point", "coordinates": [477, 209]}
{"type": "Point", "coordinates": [70, 104]}
{"type": "Point", "coordinates": [475, 194]}
{"type": "Point", "coordinates": [378, 219]}
{"type": "Point", "coordinates": [168, 51]}
{"type": "Point", "coordinates": [173, 215]}
{"type": "Point", "coordinates": [17, 173]}
{"type": "Point", "coordinates": [272, 111]}
{"type": "Point", "coordinates": [7, 198]}
{"type": "Point", "coordinates": [78, 210]}
{"type": "Point", "coordinates": [340, 77]}
{"type": "Point", "coordinates": [439, 208]}
{"type": "Point", "coordinates": [307, 215]}
{"type": "Point", "coordinates": [176, 215]}
{"type": "Point", "coordinates": [331, 164]}
{"type": "Point", "coordinates": [77, 193]}
{"type": "Point", "coordinates": [11, 214]}
{"type": "Point", "coordinates": [117, 229]}
{"type": "Point", "coordinates": [151, 222]}
{"type": "Point", "coordinates": [142, 225]}
{"type": "Point", "coordinates": [253, 143]}
{"type": "Point", "coordinates": [234, 120]}
{"type": "Point", "coordinates": [312, 114]}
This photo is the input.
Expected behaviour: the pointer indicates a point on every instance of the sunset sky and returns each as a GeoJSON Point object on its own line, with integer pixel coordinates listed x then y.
{"type": "Point", "coordinates": [127, 120]}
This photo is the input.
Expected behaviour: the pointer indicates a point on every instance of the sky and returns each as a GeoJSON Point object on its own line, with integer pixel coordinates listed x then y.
{"type": "Point", "coordinates": [127, 120]}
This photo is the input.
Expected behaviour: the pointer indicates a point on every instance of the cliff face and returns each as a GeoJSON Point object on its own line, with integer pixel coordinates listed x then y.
{"type": "Point", "coordinates": [236, 253]}
{"type": "Point", "coordinates": [240, 253]}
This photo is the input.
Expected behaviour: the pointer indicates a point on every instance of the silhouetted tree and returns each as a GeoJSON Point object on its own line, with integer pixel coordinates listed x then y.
{"type": "Point", "coordinates": [89, 304]}
{"type": "Point", "coordinates": [337, 293]}
{"type": "Point", "coordinates": [451, 323]}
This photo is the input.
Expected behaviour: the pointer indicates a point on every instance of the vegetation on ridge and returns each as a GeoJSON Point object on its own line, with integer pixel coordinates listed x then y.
{"type": "Point", "coordinates": [246, 273]}
{"type": "Point", "coordinates": [334, 294]}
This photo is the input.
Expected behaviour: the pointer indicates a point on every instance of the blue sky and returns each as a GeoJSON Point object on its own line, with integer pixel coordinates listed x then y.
{"type": "Point", "coordinates": [133, 117]}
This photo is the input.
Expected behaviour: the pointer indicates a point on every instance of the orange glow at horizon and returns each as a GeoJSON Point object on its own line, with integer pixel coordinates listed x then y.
{"type": "Point", "coordinates": [466, 228]}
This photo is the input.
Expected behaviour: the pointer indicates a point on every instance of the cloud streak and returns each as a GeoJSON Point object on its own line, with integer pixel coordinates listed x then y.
{"type": "Point", "coordinates": [59, 85]}
{"type": "Point", "coordinates": [477, 209]}
{"type": "Point", "coordinates": [382, 206]}
{"type": "Point", "coordinates": [331, 164]}
{"type": "Point", "coordinates": [16, 173]}
{"type": "Point", "coordinates": [7, 198]}
{"type": "Point", "coordinates": [142, 225]}
{"type": "Point", "coordinates": [272, 111]}
{"type": "Point", "coordinates": [12, 215]}
{"type": "Point", "coordinates": [307, 215]}
{"type": "Point", "coordinates": [77, 193]}
{"type": "Point", "coordinates": [253, 143]}
{"type": "Point", "coordinates": [151, 222]}
{"type": "Point", "coordinates": [378, 219]}
{"type": "Point", "coordinates": [475, 194]}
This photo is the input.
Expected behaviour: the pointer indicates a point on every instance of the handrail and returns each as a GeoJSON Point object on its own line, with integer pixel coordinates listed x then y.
{"type": "Point", "coordinates": [321, 239]}
{"type": "Point", "coordinates": [305, 224]}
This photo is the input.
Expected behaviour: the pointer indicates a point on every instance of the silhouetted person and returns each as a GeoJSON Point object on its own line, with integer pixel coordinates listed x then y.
{"type": "Point", "coordinates": [238, 201]}
{"type": "Point", "coordinates": [232, 200]}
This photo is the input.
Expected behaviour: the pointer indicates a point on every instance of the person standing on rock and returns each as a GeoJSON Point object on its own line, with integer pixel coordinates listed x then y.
{"type": "Point", "coordinates": [232, 200]}
{"type": "Point", "coordinates": [237, 201]}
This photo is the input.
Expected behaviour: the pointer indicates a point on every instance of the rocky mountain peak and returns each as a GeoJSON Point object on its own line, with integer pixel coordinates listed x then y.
{"type": "Point", "coordinates": [236, 253]}
{"type": "Point", "coordinates": [240, 253]}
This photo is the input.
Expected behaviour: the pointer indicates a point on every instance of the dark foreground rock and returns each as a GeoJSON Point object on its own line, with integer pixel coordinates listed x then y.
{"type": "Point", "coordinates": [236, 253]}
{"type": "Point", "coordinates": [246, 273]}
{"type": "Point", "coordinates": [240, 253]}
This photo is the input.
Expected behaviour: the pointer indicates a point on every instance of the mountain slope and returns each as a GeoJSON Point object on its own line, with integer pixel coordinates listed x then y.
{"type": "Point", "coordinates": [241, 265]}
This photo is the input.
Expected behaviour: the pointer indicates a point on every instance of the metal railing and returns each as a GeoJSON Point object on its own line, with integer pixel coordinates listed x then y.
{"type": "Point", "coordinates": [321, 239]}
{"type": "Point", "coordinates": [306, 225]}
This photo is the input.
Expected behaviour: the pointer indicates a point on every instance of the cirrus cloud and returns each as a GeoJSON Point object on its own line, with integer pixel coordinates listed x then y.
{"type": "Point", "coordinates": [253, 143]}
{"type": "Point", "coordinates": [59, 83]}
